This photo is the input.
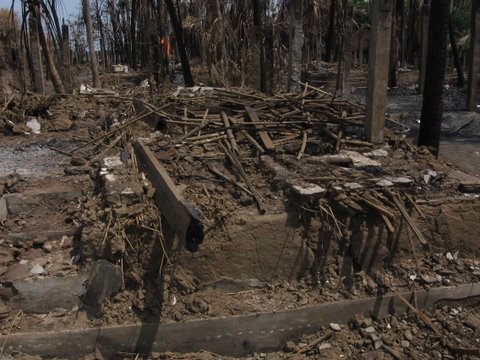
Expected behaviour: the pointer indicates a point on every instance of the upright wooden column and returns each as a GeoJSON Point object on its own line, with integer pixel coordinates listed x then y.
{"type": "Point", "coordinates": [378, 64]}
{"type": "Point", "coordinates": [66, 61]}
{"type": "Point", "coordinates": [473, 56]}
{"type": "Point", "coordinates": [37, 66]}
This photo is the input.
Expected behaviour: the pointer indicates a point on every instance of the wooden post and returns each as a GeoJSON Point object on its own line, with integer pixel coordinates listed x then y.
{"type": "Point", "coordinates": [37, 70]}
{"type": "Point", "coordinates": [66, 61]}
{"type": "Point", "coordinates": [473, 56]}
{"type": "Point", "coordinates": [423, 47]}
{"type": "Point", "coordinates": [378, 69]}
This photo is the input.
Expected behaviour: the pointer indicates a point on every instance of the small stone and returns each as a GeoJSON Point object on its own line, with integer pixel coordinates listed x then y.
{"type": "Point", "coordinates": [384, 183]}
{"type": "Point", "coordinates": [37, 270]}
{"type": "Point", "coordinates": [367, 331]}
{"type": "Point", "coordinates": [77, 161]}
{"type": "Point", "coordinates": [428, 279]}
{"type": "Point", "coordinates": [405, 344]}
{"type": "Point", "coordinates": [449, 256]}
{"type": "Point", "coordinates": [290, 347]}
{"type": "Point", "coordinates": [446, 282]}
{"type": "Point", "coordinates": [324, 346]}
{"type": "Point", "coordinates": [408, 335]}
{"type": "Point", "coordinates": [47, 247]}
{"type": "Point", "coordinates": [352, 185]}
{"type": "Point", "coordinates": [377, 342]}
{"type": "Point", "coordinates": [335, 327]}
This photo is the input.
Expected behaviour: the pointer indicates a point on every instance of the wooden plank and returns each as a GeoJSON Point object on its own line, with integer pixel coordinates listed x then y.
{"type": "Point", "coordinates": [181, 214]}
{"type": "Point", "coordinates": [232, 336]}
{"type": "Point", "coordinates": [267, 142]}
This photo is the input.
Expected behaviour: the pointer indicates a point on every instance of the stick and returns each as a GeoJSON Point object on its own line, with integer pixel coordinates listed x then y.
{"type": "Point", "coordinates": [408, 219]}
{"type": "Point", "coordinates": [227, 178]}
{"type": "Point", "coordinates": [253, 142]}
{"type": "Point", "coordinates": [421, 315]}
{"type": "Point", "coordinates": [315, 342]}
{"type": "Point", "coordinates": [230, 136]}
{"type": "Point", "coordinates": [108, 148]}
{"type": "Point", "coordinates": [304, 145]}
{"type": "Point", "coordinates": [9, 332]}
{"type": "Point", "coordinates": [198, 128]}
{"type": "Point", "coordinates": [352, 104]}
{"type": "Point", "coordinates": [134, 120]}
{"type": "Point", "coordinates": [238, 165]}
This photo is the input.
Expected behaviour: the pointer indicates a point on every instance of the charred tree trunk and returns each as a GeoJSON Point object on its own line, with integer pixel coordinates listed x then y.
{"type": "Point", "coordinates": [330, 33]}
{"type": "Point", "coordinates": [456, 56]}
{"type": "Point", "coordinates": [401, 11]}
{"type": "Point", "coordinates": [133, 30]}
{"type": "Point", "coordinates": [412, 43]}
{"type": "Point", "coordinates": [36, 68]}
{"type": "Point", "coordinates": [91, 45]}
{"type": "Point", "coordinates": [295, 44]}
{"type": "Point", "coordinates": [187, 74]}
{"type": "Point", "coordinates": [424, 38]}
{"type": "Point", "coordinates": [432, 107]}
{"type": "Point", "coordinates": [392, 72]}
{"type": "Point", "coordinates": [261, 36]}
{"type": "Point", "coordinates": [473, 56]}
{"type": "Point", "coordinates": [66, 61]}
{"type": "Point", "coordinates": [50, 62]}
{"type": "Point", "coordinates": [103, 50]}
{"type": "Point", "coordinates": [346, 62]}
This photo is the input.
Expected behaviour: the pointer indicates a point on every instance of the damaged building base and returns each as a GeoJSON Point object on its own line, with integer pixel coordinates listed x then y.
{"type": "Point", "coordinates": [246, 223]}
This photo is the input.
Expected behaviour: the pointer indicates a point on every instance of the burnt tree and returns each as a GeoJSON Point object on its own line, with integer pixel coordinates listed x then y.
{"type": "Point", "coordinates": [432, 107]}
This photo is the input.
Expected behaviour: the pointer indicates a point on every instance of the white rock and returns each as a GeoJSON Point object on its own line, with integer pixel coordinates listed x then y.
{"type": "Point", "coordinates": [324, 346]}
{"type": "Point", "coordinates": [384, 183]}
{"type": "Point", "coordinates": [112, 162]}
{"type": "Point", "coordinates": [449, 256]}
{"type": "Point", "coordinates": [335, 327]}
{"type": "Point", "coordinates": [37, 270]}
{"type": "Point", "coordinates": [352, 185]}
{"type": "Point", "coordinates": [380, 153]}
{"type": "Point", "coordinates": [34, 125]}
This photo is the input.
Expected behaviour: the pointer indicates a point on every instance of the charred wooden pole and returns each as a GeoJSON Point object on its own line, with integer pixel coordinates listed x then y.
{"type": "Point", "coordinates": [473, 56]}
{"type": "Point", "coordinates": [378, 69]}
{"type": "Point", "coordinates": [36, 58]}
{"type": "Point", "coordinates": [66, 61]}
{"type": "Point", "coordinates": [187, 74]}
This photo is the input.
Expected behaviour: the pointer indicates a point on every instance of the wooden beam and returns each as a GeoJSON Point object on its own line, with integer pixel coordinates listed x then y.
{"type": "Point", "coordinates": [378, 69]}
{"type": "Point", "coordinates": [233, 336]}
{"type": "Point", "coordinates": [180, 213]}
{"type": "Point", "coordinates": [267, 142]}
